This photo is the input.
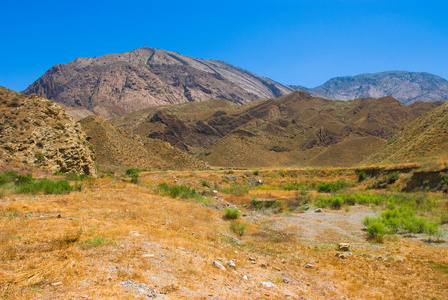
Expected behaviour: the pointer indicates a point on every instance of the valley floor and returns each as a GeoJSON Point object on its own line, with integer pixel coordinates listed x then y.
{"type": "Point", "coordinates": [119, 240]}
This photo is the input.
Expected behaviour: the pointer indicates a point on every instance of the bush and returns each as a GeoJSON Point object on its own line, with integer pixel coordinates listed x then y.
{"type": "Point", "coordinates": [47, 187]}
{"type": "Point", "coordinates": [402, 219]}
{"type": "Point", "coordinates": [4, 179]}
{"type": "Point", "coordinates": [376, 230]}
{"type": "Point", "coordinates": [231, 213]}
{"type": "Point", "coordinates": [206, 184]}
{"type": "Point", "coordinates": [327, 187]}
{"type": "Point", "coordinates": [362, 176]}
{"type": "Point", "coordinates": [238, 228]}
{"type": "Point", "coordinates": [178, 191]}
{"type": "Point", "coordinates": [134, 172]}
{"type": "Point", "coordinates": [256, 172]}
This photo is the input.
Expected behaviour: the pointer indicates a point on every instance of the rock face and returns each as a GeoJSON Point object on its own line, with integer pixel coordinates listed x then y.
{"type": "Point", "coordinates": [116, 84]}
{"type": "Point", "coordinates": [407, 87]}
{"type": "Point", "coordinates": [37, 133]}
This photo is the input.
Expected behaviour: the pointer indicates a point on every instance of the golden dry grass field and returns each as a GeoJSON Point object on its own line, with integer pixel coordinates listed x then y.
{"type": "Point", "coordinates": [115, 239]}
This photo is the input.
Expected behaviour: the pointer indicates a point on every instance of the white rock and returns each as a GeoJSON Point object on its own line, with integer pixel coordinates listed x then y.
{"type": "Point", "coordinates": [56, 283]}
{"type": "Point", "coordinates": [308, 266]}
{"type": "Point", "coordinates": [318, 210]}
{"type": "Point", "coordinates": [245, 277]}
{"type": "Point", "coordinates": [267, 284]}
{"type": "Point", "coordinates": [218, 265]}
{"type": "Point", "coordinates": [230, 263]}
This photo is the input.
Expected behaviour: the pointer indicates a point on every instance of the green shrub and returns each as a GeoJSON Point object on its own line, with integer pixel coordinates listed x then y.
{"type": "Point", "coordinates": [362, 176]}
{"type": "Point", "coordinates": [235, 190]}
{"type": "Point", "coordinates": [178, 191]}
{"type": "Point", "coordinates": [336, 202]}
{"type": "Point", "coordinates": [134, 172]}
{"type": "Point", "coordinates": [4, 179]}
{"type": "Point", "coordinates": [47, 187]}
{"type": "Point", "coordinates": [231, 213]}
{"type": "Point", "coordinates": [206, 184]}
{"type": "Point", "coordinates": [134, 178]}
{"type": "Point", "coordinates": [327, 187]}
{"type": "Point", "coordinates": [256, 172]}
{"type": "Point", "coordinates": [238, 228]}
{"type": "Point", "coordinates": [376, 231]}
{"type": "Point", "coordinates": [25, 179]}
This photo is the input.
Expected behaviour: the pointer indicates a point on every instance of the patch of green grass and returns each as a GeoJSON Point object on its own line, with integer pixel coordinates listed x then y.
{"type": "Point", "coordinates": [256, 172]}
{"type": "Point", "coordinates": [47, 186]}
{"type": "Point", "coordinates": [179, 191]}
{"type": "Point", "coordinates": [134, 171]}
{"type": "Point", "coordinates": [231, 213]}
{"type": "Point", "coordinates": [439, 267]}
{"type": "Point", "coordinates": [206, 184]}
{"type": "Point", "coordinates": [235, 190]}
{"type": "Point", "coordinates": [96, 242]}
{"type": "Point", "coordinates": [327, 187]}
{"type": "Point", "coordinates": [399, 220]}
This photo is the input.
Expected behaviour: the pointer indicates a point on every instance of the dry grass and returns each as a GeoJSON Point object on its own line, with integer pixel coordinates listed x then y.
{"type": "Point", "coordinates": [115, 231]}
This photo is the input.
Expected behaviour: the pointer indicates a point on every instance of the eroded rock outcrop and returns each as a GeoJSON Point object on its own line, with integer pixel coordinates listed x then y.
{"type": "Point", "coordinates": [38, 133]}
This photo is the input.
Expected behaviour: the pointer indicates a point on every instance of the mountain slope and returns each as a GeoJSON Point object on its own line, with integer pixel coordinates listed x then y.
{"type": "Point", "coordinates": [425, 139]}
{"type": "Point", "coordinates": [117, 149]}
{"type": "Point", "coordinates": [116, 84]}
{"type": "Point", "coordinates": [295, 129]}
{"type": "Point", "coordinates": [408, 87]}
{"type": "Point", "coordinates": [38, 133]}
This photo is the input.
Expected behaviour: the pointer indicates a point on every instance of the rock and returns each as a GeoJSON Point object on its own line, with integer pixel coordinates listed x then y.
{"type": "Point", "coordinates": [309, 266]}
{"type": "Point", "coordinates": [343, 247]}
{"type": "Point", "coordinates": [267, 284]}
{"type": "Point", "coordinates": [38, 133]}
{"type": "Point", "coordinates": [215, 192]}
{"type": "Point", "coordinates": [230, 263]}
{"type": "Point", "coordinates": [56, 283]}
{"type": "Point", "coordinates": [318, 210]}
{"type": "Point", "coordinates": [218, 265]}
{"type": "Point", "coordinates": [148, 255]}
{"type": "Point", "coordinates": [285, 280]}
{"type": "Point", "coordinates": [245, 277]}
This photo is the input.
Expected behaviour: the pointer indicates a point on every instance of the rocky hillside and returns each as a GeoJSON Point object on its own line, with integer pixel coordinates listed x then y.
{"type": "Point", "coordinates": [37, 133]}
{"type": "Point", "coordinates": [408, 87]}
{"type": "Point", "coordinates": [292, 130]}
{"type": "Point", "coordinates": [116, 84]}
{"type": "Point", "coordinates": [118, 149]}
{"type": "Point", "coordinates": [425, 139]}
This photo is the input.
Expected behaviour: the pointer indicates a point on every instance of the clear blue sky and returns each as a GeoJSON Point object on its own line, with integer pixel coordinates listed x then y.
{"type": "Point", "coordinates": [303, 42]}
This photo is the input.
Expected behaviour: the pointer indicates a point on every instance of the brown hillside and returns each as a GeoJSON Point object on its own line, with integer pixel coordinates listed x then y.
{"type": "Point", "coordinates": [289, 130]}
{"type": "Point", "coordinates": [38, 133]}
{"type": "Point", "coordinates": [425, 139]}
{"type": "Point", "coordinates": [116, 149]}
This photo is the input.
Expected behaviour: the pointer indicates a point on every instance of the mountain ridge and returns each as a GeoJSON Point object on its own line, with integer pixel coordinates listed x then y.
{"type": "Point", "coordinates": [407, 87]}
{"type": "Point", "coordinates": [115, 84]}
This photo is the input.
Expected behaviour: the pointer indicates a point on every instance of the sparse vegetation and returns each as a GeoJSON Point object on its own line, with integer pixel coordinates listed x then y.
{"type": "Point", "coordinates": [231, 213]}
{"type": "Point", "coordinates": [238, 227]}
{"type": "Point", "coordinates": [178, 191]}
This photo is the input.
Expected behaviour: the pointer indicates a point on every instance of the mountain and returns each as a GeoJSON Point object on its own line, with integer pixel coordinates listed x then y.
{"type": "Point", "coordinates": [293, 130]}
{"type": "Point", "coordinates": [36, 133]}
{"type": "Point", "coordinates": [408, 87]}
{"type": "Point", "coordinates": [117, 149]}
{"type": "Point", "coordinates": [425, 139]}
{"type": "Point", "coordinates": [116, 84]}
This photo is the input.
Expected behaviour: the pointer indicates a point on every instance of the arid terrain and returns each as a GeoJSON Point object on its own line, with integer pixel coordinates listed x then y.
{"type": "Point", "coordinates": [113, 239]}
